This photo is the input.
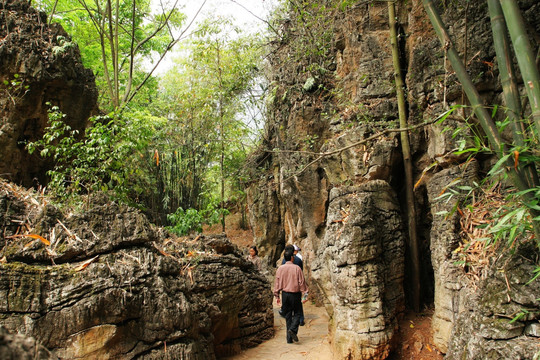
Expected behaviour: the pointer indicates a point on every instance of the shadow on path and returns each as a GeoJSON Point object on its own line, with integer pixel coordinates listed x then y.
{"type": "Point", "coordinates": [313, 338]}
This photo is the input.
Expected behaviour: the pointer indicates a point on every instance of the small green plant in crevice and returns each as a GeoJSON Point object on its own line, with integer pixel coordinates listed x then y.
{"type": "Point", "coordinates": [14, 88]}
{"type": "Point", "coordinates": [63, 46]}
{"type": "Point", "coordinates": [311, 140]}
{"type": "Point", "coordinates": [525, 315]}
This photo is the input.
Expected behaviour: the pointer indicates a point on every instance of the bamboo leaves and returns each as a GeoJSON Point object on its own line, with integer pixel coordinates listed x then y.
{"type": "Point", "coordinates": [531, 78]}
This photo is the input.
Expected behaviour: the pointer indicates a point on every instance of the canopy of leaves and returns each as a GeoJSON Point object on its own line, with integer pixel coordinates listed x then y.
{"type": "Point", "coordinates": [118, 40]}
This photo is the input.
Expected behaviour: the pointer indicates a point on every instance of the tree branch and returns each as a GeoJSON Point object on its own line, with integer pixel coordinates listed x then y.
{"type": "Point", "coordinates": [169, 47]}
{"type": "Point", "coordinates": [361, 142]}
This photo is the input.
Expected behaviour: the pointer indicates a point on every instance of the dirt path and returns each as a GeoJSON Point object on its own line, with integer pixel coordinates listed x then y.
{"type": "Point", "coordinates": [414, 337]}
{"type": "Point", "coordinates": [313, 339]}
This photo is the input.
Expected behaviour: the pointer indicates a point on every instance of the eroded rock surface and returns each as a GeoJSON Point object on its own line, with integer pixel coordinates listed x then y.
{"type": "Point", "coordinates": [109, 285]}
{"type": "Point", "coordinates": [359, 267]}
{"type": "Point", "coordinates": [20, 347]}
{"type": "Point", "coordinates": [497, 320]}
{"type": "Point", "coordinates": [40, 65]}
{"type": "Point", "coordinates": [445, 239]}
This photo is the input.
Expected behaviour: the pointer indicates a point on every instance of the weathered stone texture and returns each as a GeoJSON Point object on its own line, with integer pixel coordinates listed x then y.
{"type": "Point", "coordinates": [110, 285]}
{"type": "Point", "coordinates": [354, 100]}
{"type": "Point", "coordinates": [484, 328]}
{"type": "Point", "coordinates": [20, 347]}
{"type": "Point", "coordinates": [47, 68]}
{"type": "Point", "coordinates": [444, 240]}
{"type": "Point", "coordinates": [264, 210]}
{"type": "Point", "coordinates": [359, 267]}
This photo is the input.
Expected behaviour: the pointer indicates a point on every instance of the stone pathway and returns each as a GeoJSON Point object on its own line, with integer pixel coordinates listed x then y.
{"type": "Point", "coordinates": [313, 339]}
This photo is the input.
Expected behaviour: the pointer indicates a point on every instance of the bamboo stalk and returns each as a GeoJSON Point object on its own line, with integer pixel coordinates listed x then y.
{"type": "Point", "coordinates": [506, 69]}
{"type": "Point", "coordinates": [406, 151]}
{"type": "Point", "coordinates": [476, 102]}
{"type": "Point", "coordinates": [472, 94]}
{"type": "Point", "coordinates": [509, 83]}
{"type": "Point", "coordinates": [524, 55]}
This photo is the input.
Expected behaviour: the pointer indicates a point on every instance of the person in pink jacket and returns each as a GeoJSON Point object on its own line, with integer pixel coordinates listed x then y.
{"type": "Point", "coordinates": [290, 282]}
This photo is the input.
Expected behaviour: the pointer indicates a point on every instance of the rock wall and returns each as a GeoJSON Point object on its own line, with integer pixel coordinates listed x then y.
{"type": "Point", "coordinates": [339, 102]}
{"type": "Point", "coordinates": [38, 65]}
{"type": "Point", "coordinates": [484, 327]}
{"type": "Point", "coordinates": [359, 267]}
{"type": "Point", "coordinates": [444, 240]}
{"type": "Point", "coordinates": [109, 285]}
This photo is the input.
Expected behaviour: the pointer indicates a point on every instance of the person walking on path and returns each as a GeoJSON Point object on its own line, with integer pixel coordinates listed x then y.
{"type": "Point", "coordinates": [297, 252]}
{"type": "Point", "coordinates": [297, 260]}
{"type": "Point", "coordinates": [291, 283]}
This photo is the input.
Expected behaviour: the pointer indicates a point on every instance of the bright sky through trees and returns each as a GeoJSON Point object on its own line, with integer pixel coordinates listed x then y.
{"type": "Point", "coordinates": [250, 15]}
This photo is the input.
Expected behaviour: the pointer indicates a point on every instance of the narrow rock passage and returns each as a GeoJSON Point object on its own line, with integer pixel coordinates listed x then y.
{"type": "Point", "coordinates": [313, 338]}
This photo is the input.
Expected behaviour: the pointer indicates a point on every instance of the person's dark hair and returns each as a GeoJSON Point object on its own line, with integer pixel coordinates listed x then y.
{"type": "Point", "coordinates": [288, 254]}
{"type": "Point", "coordinates": [291, 247]}
{"type": "Point", "coordinates": [256, 251]}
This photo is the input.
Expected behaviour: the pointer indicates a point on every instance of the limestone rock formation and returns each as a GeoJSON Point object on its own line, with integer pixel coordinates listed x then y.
{"type": "Point", "coordinates": [39, 64]}
{"type": "Point", "coordinates": [264, 210]}
{"type": "Point", "coordinates": [445, 239]}
{"type": "Point", "coordinates": [110, 285]}
{"type": "Point", "coordinates": [359, 267]}
{"type": "Point", "coordinates": [335, 103]}
{"type": "Point", "coordinates": [497, 321]}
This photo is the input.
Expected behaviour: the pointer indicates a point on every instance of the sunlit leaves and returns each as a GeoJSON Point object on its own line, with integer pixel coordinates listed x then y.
{"type": "Point", "coordinates": [141, 34]}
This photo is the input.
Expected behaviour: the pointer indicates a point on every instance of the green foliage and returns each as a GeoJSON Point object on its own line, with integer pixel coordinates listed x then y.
{"type": "Point", "coordinates": [64, 45]}
{"type": "Point", "coordinates": [206, 98]}
{"type": "Point", "coordinates": [511, 222]}
{"type": "Point", "coordinates": [187, 221]}
{"type": "Point", "coordinates": [14, 88]}
{"type": "Point", "coordinates": [100, 161]}
{"type": "Point", "coordinates": [310, 32]}
{"type": "Point", "coordinates": [142, 34]}
{"type": "Point", "coordinates": [186, 131]}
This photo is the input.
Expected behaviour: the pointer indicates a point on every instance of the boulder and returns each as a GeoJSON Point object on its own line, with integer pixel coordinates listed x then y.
{"type": "Point", "coordinates": [104, 283]}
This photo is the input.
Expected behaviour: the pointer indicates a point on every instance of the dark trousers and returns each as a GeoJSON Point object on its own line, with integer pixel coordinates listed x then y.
{"type": "Point", "coordinates": [292, 310]}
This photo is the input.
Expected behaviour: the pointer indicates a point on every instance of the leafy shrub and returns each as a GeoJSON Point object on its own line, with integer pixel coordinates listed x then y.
{"type": "Point", "coordinates": [103, 160]}
{"type": "Point", "coordinates": [184, 222]}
